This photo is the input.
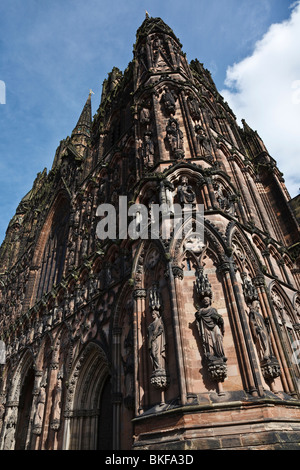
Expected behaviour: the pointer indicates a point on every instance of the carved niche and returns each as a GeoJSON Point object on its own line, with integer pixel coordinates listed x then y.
{"type": "Point", "coordinates": [157, 341]}
{"type": "Point", "coordinates": [260, 333]}
{"type": "Point", "coordinates": [211, 328]}
{"type": "Point", "coordinates": [174, 137]}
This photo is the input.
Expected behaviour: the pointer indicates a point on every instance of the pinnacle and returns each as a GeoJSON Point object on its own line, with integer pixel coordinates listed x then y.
{"type": "Point", "coordinates": [85, 118]}
{"type": "Point", "coordinates": [154, 24]}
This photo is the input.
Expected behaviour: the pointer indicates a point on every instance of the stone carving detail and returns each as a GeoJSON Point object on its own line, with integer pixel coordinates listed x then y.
{"type": "Point", "coordinates": [9, 438]}
{"type": "Point", "coordinates": [157, 342]}
{"type": "Point", "coordinates": [145, 116]}
{"type": "Point", "coordinates": [56, 413]}
{"type": "Point", "coordinates": [175, 139]}
{"type": "Point", "coordinates": [148, 150]}
{"type": "Point", "coordinates": [211, 329]}
{"type": "Point", "coordinates": [185, 192]}
{"type": "Point", "coordinates": [259, 328]}
{"type": "Point", "coordinates": [168, 100]}
{"type": "Point", "coordinates": [225, 201]}
{"type": "Point", "coordinates": [194, 244]}
{"type": "Point", "coordinates": [194, 108]}
{"type": "Point", "coordinates": [202, 141]}
{"type": "Point", "coordinates": [160, 55]}
{"type": "Point", "coordinates": [39, 412]}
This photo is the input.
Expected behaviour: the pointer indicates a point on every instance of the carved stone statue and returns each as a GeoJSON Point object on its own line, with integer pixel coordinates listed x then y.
{"type": "Point", "coordinates": [194, 108]}
{"type": "Point", "coordinates": [175, 138]}
{"type": "Point", "coordinates": [211, 328]}
{"type": "Point", "coordinates": [9, 438]}
{"type": "Point", "coordinates": [148, 150]}
{"type": "Point", "coordinates": [39, 412]}
{"type": "Point", "coordinates": [56, 409]}
{"type": "Point", "coordinates": [259, 331]}
{"type": "Point", "coordinates": [202, 141]}
{"type": "Point", "coordinates": [145, 116]}
{"type": "Point", "coordinates": [268, 362]}
{"type": "Point", "coordinates": [157, 342]}
{"type": "Point", "coordinates": [168, 101]}
{"type": "Point", "coordinates": [185, 192]}
{"type": "Point", "coordinates": [224, 200]}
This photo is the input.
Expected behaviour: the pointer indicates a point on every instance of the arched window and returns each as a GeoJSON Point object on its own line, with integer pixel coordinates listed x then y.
{"type": "Point", "coordinates": [55, 250]}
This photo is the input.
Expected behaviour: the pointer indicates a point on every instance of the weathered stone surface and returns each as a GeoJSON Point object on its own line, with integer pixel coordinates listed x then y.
{"type": "Point", "coordinates": [109, 344]}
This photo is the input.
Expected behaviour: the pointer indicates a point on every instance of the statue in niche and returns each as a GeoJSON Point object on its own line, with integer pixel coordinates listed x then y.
{"type": "Point", "coordinates": [194, 108]}
{"type": "Point", "coordinates": [39, 413]}
{"type": "Point", "coordinates": [169, 101]}
{"type": "Point", "coordinates": [202, 141]}
{"type": "Point", "coordinates": [9, 438]}
{"type": "Point", "coordinates": [259, 331]}
{"type": "Point", "coordinates": [225, 201]}
{"type": "Point", "coordinates": [145, 116]}
{"type": "Point", "coordinates": [175, 138]}
{"type": "Point", "coordinates": [185, 192]}
{"type": "Point", "coordinates": [157, 342]}
{"type": "Point", "coordinates": [211, 330]}
{"type": "Point", "coordinates": [269, 364]}
{"type": "Point", "coordinates": [55, 422]}
{"type": "Point", "coordinates": [148, 150]}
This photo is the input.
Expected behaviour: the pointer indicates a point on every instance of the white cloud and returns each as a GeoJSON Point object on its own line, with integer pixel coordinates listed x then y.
{"type": "Point", "coordinates": [264, 89]}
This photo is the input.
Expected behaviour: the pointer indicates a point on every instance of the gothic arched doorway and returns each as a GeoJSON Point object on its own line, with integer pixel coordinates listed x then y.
{"type": "Point", "coordinates": [24, 411]}
{"type": "Point", "coordinates": [89, 423]}
{"type": "Point", "coordinates": [105, 429]}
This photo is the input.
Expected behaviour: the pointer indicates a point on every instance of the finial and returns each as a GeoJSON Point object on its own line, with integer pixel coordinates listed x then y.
{"type": "Point", "coordinates": [91, 93]}
{"type": "Point", "coordinates": [147, 14]}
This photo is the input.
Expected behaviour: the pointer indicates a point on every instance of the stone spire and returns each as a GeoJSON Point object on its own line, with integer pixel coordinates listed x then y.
{"type": "Point", "coordinates": [255, 144]}
{"type": "Point", "coordinates": [158, 51]}
{"type": "Point", "coordinates": [84, 123]}
{"type": "Point", "coordinates": [81, 134]}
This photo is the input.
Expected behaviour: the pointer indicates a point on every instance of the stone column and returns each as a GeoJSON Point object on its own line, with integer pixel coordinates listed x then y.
{"type": "Point", "coordinates": [175, 274]}
{"type": "Point", "coordinates": [243, 336]}
{"type": "Point", "coordinates": [116, 386]}
{"type": "Point", "coordinates": [139, 296]}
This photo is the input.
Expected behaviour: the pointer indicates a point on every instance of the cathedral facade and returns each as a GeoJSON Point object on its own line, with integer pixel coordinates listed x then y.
{"type": "Point", "coordinates": [185, 341]}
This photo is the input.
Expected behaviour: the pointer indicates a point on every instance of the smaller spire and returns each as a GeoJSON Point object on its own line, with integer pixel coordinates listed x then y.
{"type": "Point", "coordinates": [85, 119]}
{"type": "Point", "coordinates": [81, 134]}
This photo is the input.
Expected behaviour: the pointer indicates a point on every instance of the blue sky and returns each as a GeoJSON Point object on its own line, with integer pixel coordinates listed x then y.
{"type": "Point", "coordinates": [53, 51]}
